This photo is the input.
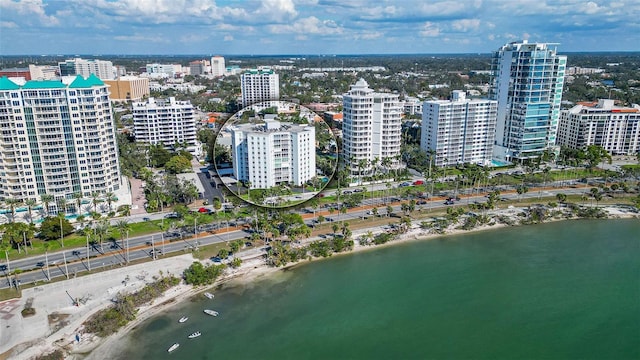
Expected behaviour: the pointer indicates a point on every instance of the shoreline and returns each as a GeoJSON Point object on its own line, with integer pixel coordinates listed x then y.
{"type": "Point", "coordinates": [253, 267]}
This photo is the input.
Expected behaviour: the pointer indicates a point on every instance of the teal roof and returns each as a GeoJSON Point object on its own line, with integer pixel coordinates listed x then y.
{"type": "Point", "coordinates": [43, 84]}
{"type": "Point", "coordinates": [90, 81]}
{"type": "Point", "coordinates": [6, 84]}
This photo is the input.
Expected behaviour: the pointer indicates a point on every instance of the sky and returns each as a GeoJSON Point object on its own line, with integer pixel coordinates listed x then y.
{"type": "Point", "coordinates": [313, 27]}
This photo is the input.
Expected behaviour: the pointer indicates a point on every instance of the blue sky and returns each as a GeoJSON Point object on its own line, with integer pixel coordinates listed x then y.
{"type": "Point", "coordinates": [312, 26]}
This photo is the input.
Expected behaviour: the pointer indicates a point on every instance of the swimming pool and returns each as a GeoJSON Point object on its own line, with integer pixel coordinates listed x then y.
{"type": "Point", "coordinates": [499, 163]}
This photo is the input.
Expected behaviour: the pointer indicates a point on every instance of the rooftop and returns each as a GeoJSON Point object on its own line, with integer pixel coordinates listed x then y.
{"type": "Point", "coordinates": [78, 82]}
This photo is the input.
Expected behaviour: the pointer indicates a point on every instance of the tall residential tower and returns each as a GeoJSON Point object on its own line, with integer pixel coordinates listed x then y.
{"type": "Point", "coordinates": [259, 85]}
{"type": "Point", "coordinates": [459, 130]}
{"type": "Point", "coordinates": [371, 128]}
{"type": "Point", "coordinates": [58, 138]}
{"type": "Point", "coordinates": [527, 82]}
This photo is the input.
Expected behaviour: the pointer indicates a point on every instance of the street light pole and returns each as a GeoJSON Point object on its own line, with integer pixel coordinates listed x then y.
{"type": "Point", "coordinates": [46, 259]}
{"type": "Point", "coordinates": [66, 270]}
{"type": "Point", "coordinates": [61, 233]}
{"type": "Point", "coordinates": [153, 248]}
{"type": "Point", "coordinates": [88, 261]}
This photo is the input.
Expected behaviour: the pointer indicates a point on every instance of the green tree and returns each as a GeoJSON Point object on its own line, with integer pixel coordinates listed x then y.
{"type": "Point", "coordinates": [50, 228]}
{"type": "Point", "coordinates": [177, 164]}
{"type": "Point", "coordinates": [158, 155]}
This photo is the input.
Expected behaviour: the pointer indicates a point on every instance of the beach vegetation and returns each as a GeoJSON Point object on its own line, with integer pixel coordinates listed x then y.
{"type": "Point", "coordinates": [125, 307]}
{"type": "Point", "coordinates": [57, 354]}
{"type": "Point", "coordinates": [198, 274]}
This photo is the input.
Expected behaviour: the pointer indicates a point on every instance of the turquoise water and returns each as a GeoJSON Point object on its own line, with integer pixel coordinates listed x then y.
{"type": "Point", "coordinates": [567, 290]}
{"type": "Point", "coordinates": [499, 163]}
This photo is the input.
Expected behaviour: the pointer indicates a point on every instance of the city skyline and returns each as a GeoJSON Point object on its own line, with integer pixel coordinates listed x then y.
{"type": "Point", "coordinates": [270, 27]}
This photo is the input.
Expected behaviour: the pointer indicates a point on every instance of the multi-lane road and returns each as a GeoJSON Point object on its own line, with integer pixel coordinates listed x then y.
{"type": "Point", "coordinates": [110, 254]}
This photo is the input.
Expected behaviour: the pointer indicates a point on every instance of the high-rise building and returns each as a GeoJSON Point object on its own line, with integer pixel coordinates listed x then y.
{"type": "Point", "coordinates": [166, 122]}
{"type": "Point", "coordinates": [527, 82]}
{"type": "Point", "coordinates": [371, 128]}
{"type": "Point", "coordinates": [273, 153]}
{"type": "Point", "coordinates": [259, 85]}
{"type": "Point", "coordinates": [128, 88]}
{"type": "Point", "coordinates": [615, 128]}
{"type": "Point", "coordinates": [459, 130]}
{"type": "Point", "coordinates": [198, 67]}
{"type": "Point", "coordinates": [217, 66]}
{"type": "Point", "coordinates": [101, 68]}
{"type": "Point", "coordinates": [58, 138]}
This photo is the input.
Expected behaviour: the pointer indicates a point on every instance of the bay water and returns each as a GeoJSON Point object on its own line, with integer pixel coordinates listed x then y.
{"type": "Point", "coordinates": [564, 290]}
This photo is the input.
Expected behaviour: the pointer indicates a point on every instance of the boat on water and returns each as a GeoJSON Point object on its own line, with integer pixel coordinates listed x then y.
{"type": "Point", "coordinates": [173, 347]}
{"type": "Point", "coordinates": [210, 312]}
{"type": "Point", "coordinates": [183, 319]}
{"type": "Point", "coordinates": [208, 295]}
{"type": "Point", "coordinates": [195, 335]}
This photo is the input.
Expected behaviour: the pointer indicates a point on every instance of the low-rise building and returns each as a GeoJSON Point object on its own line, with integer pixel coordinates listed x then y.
{"type": "Point", "coordinates": [166, 122]}
{"type": "Point", "coordinates": [128, 88]}
{"type": "Point", "coordinates": [273, 153]}
{"type": "Point", "coordinates": [615, 128]}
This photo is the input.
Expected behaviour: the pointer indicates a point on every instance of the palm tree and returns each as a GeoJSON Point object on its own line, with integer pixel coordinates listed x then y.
{"type": "Point", "coordinates": [12, 203]}
{"type": "Point", "coordinates": [77, 196]}
{"type": "Point", "coordinates": [110, 198]}
{"type": "Point", "coordinates": [101, 231]}
{"type": "Point", "coordinates": [62, 205]}
{"type": "Point", "coordinates": [123, 228]}
{"type": "Point", "coordinates": [95, 200]}
{"type": "Point", "coordinates": [46, 199]}
{"type": "Point", "coordinates": [30, 203]}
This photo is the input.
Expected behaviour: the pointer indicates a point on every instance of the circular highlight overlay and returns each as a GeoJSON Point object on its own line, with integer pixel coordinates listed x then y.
{"type": "Point", "coordinates": [275, 154]}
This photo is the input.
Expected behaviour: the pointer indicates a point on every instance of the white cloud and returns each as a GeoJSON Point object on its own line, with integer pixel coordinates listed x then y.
{"type": "Point", "coordinates": [277, 10]}
{"type": "Point", "coordinates": [8, 24]}
{"type": "Point", "coordinates": [465, 25]}
{"type": "Point", "coordinates": [429, 29]}
{"type": "Point", "coordinates": [309, 25]}
{"type": "Point", "coordinates": [141, 38]}
{"type": "Point", "coordinates": [228, 38]}
{"type": "Point", "coordinates": [28, 9]}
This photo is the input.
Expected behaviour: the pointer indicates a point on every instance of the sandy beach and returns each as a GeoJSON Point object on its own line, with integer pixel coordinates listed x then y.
{"type": "Point", "coordinates": [58, 321]}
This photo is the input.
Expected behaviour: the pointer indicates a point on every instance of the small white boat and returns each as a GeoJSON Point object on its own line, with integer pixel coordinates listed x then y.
{"type": "Point", "coordinates": [173, 347]}
{"type": "Point", "coordinates": [195, 335]}
{"type": "Point", "coordinates": [208, 295]}
{"type": "Point", "coordinates": [211, 312]}
{"type": "Point", "coordinates": [183, 319]}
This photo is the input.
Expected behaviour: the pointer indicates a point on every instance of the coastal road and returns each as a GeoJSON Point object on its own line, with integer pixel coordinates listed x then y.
{"type": "Point", "coordinates": [35, 268]}
{"type": "Point", "coordinates": [112, 254]}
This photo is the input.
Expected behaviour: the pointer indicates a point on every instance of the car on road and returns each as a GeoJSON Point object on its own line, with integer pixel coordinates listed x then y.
{"type": "Point", "coordinates": [418, 182]}
{"type": "Point", "coordinates": [405, 184]}
{"type": "Point", "coordinates": [358, 190]}
{"type": "Point", "coordinates": [204, 210]}
{"type": "Point", "coordinates": [75, 253]}
{"type": "Point", "coordinates": [329, 219]}
{"type": "Point", "coordinates": [320, 195]}
{"type": "Point", "coordinates": [146, 219]}
{"type": "Point", "coordinates": [40, 264]}
{"type": "Point", "coordinates": [449, 202]}
{"type": "Point", "coordinates": [421, 202]}
{"type": "Point", "coordinates": [347, 192]}
{"type": "Point", "coordinates": [3, 267]}
{"type": "Point", "coordinates": [172, 215]}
